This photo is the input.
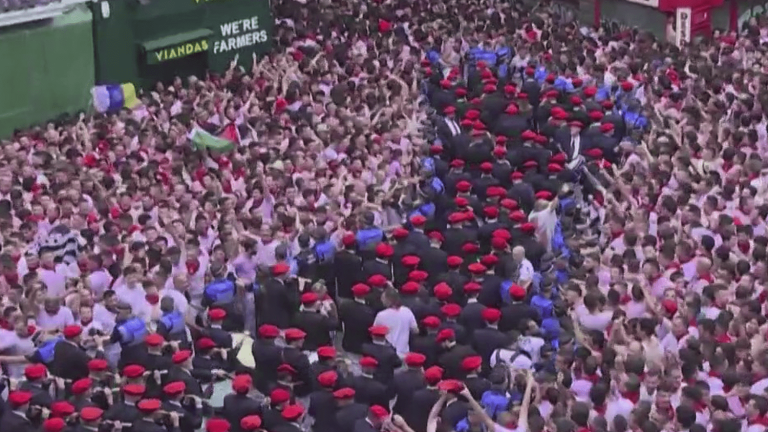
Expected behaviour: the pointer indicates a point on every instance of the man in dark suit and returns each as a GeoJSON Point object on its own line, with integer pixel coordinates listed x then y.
{"type": "Point", "coordinates": [267, 357]}
{"type": "Point", "coordinates": [348, 267]}
{"type": "Point", "coordinates": [377, 414]}
{"type": "Point", "coordinates": [488, 339]}
{"type": "Point", "coordinates": [239, 404]}
{"type": "Point", "coordinates": [407, 382]}
{"type": "Point", "coordinates": [292, 414]}
{"type": "Point", "coordinates": [453, 354]}
{"type": "Point", "coordinates": [278, 300]}
{"type": "Point", "coordinates": [294, 356]}
{"type": "Point", "coordinates": [384, 353]}
{"type": "Point", "coordinates": [70, 361]}
{"type": "Point", "coordinates": [349, 411]}
{"type": "Point", "coordinates": [13, 419]}
{"type": "Point", "coordinates": [317, 326]}
{"type": "Point", "coordinates": [356, 317]}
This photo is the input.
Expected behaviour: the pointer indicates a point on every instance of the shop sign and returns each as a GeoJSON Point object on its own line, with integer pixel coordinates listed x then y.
{"type": "Point", "coordinates": [682, 26]}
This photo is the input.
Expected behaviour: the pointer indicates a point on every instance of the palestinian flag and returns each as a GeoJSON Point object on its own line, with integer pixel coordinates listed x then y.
{"type": "Point", "coordinates": [223, 143]}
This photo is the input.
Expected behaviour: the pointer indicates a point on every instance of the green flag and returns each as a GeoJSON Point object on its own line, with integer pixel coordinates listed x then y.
{"type": "Point", "coordinates": [202, 139]}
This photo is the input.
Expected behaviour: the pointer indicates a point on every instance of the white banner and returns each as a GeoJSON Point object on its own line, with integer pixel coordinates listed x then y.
{"type": "Point", "coordinates": [682, 26]}
{"type": "Point", "coordinates": [650, 3]}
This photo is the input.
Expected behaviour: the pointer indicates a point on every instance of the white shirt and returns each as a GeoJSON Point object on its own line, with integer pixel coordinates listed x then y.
{"type": "Point", "coordinates": [99, 282]}
{"type": "Point", "coordinates": [525, 271]}
{"type": "Point", "coordinates": [54, 280]}
{"type": "Point", "coordinates": [399, 321]}
{"type": "Point", "coordinates": [61, 319]}
{"type": "Point", "coordinates": [136, 297]}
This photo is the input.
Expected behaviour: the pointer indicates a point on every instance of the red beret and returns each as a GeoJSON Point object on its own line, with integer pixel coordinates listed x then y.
{"type": "Point", "coordinates": [451, 310]}
{"type": "Point", "coordinates": [461, 92]}
{"type": "Point", "coordinates": [154, 340]}
{"type": "Point", "coordinates": [442, 291]}
{"type": "Point", "coordinates": [97, 365]}
{"type": "Point", "coordinates": [360, 290]}
{"type": "Point", "coordinates": [607, 104]}
{"type": "Point", "coordinates": [463, 186]}
{"type": "Point", "coordinates": [418, 275]}
{"type": "Point", "coordinates": [328, 378]}
{"type": "Point", "coordinates": [181, 356]}
{"type": "Point", "coordinates": [577, 82]}
{"type": "Point", "coordinates": [595, 115]}
{"type": "Point", "coordinates": [293, 412]}
{"type": "Point", "coordinates": [517, 175]}
{"type": "Point", "coordinates": [491, 315]}
{"type": "Point", "coordinates": [517, 216]}
{"type": "Point", "coordinates": [470, 248]}
{"type": "Point", "coordinates": [498, 243]}
{"type": "Point", "coordinates": [454, 261]}
{"type": "Point", "coordinates": [445, 334]}
{"type": "Point", "coordinates": [280, 269]}
{"type": "Point", "coordinates": [378, 412]}
{"type": "Point", "coordinates": [449, 110]}
{"type": "Point", "coordinates": [378, 330]}
{"type": "Point", "coordinates": [486, 167]}
{"type": "Point", "coordinates": [606, 127]}
{"type": "Point", "coordinates": [590, 91]}
{"type": "Point", "coordinates": [35, 371]}
{"type": "Point", "coordinates": [456, 217]}
{"type": "Point", "coordinates": [436, 235]}
{"type": "Point", "coordinates": [495, 192]}
{"type": "Point", "coordinates": [369, 362]}
{"type": "Point", "coordinates": [559, 115]}
{"type": "Point", "coordinates": [377, 280]}
{"type": "Point", "coordinates": [528, 135]}
{"type": "Point", "coordinates": [409, 287]}
{"type": "Point", "coordinates": [250, 423]}
{"type": "Point", "coordinates": [551, 94]}
{"type": "Point", "coordinates": [509, 203]}
{"type": "Point", "coordinates": [594, 153]}
{"type": "Point", "coordinates": [501, 233]}
{"type": "Point", "coordinates": [344, 393]}
{"type": "Point", "coordinates": [528, 227]}
{"type": "Point", "coordinates": [517, 292]}
{"type": "Point", "coordinates": [461, 202]}
{"type": "Point", "coordinates": [410, 260]}
{"type": "Point", "coordinates": [90, 414]}
{"type": "Point", "coordinates": [558, 158]}
{"type": "Point", "coordinates": [217, 425]}
{"type": "Point", "coordinates": [433, 375]}
{"type": "Point", "coordinates": [491, 212]}
{"type": "Point", "coordinates": [242, 383]}
{"type": "Point", "coordinates": [576, 123]}
{"type": "Point", "coordinates": [471, 363]}
{"type": "Point", "coordinates": [477, 268]}
{"type": "Point", "coordinates": [278, 396]}
{"type": "Point", "coordinates": [472, 287]}
{"type": "Point", "coordinates": [554, 168]}
{"type": "Point", "coordinates": [81, 386]}
{"type": "Point", "coordinates": [294, 334]}
{"type": "Point", "coordinates": [178, 387]}
{"type": "Point", "coordinates": [286, 368]}
{"type": "Point", "coordinates": [418, 220]}
{"type": "Point", "coordinates": [384, 250]}
{"type": "Point", "coordinates": [490, 260]}
{"type": "Point", "coordinates": [217, 314]}
{"type": "Point", "coordinates": [134, 389]}
{"type": "Point", "coordinates": [308, 298]}
{"type": "Point", "coordinates": [148, 405]}
{"type": "Point", "coordinates": [544, 194]}
{"type": "Point", "coordinates": [415, 359]}
{"type": "Point", "coordinates": [133, 371]}
{"type": "Point", "coordinates": [268, 331]}
{"type": "Point", "coordinates": [431, 322]}
{"type": "Point", "coordinates": [205, 344]}
{"type": "Point", "coordinates": [627, 86]}
{"type": "Point", "coordinates": [348, 239]}
{"type": "Point", "coordinates": [575, 100]}
{"type": "Point", "coordinates": [62, 409]}
{"type": "Point", "coordinates": [472, 114]}
{"type": "Point", "coordinates": [54, 425]}
{"type": "Point", "coordinates": [512, 109]}
{"type": "Point", "coordinates": [451, 386]}
{"type": "Point", "coordinates": [326, 352]}
{"type": "Point", "coordinates": [72, 331]}
{"type": "Point", "coordinates": [446, 84]}
{"type": "Point", "coordinates": [19, 397]}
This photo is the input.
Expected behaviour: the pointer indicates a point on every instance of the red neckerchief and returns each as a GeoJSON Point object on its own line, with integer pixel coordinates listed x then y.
{"type": "Point", "coordinates": [12, 277]}
{"type": "Point", "coordinates": [723, 338]}
{"type": "Point", "coordinates": [674, 265]}
{"type": "Point", "coordinates": [758, 420]}
{"type": "Point", "coordinates": [684, 260]}
{"type": "Point", "coordinates": [633, 397]}
{"type": "Point", "coordinates": [593, 378]}
{"type": "Point", "coordinates": [616, 234]}
{"type": "Point", "coordinates": [624, 299]}
{"type": "Point", "coordinates": [84, 322]}
{"type": "Point", "coordinates": [51, 267]}
{"type": "Point", "coordinates": [744, 246]}
{"type": "Point", "coordinates": [16, 257]}
{"type": "Point", "coordinates": [5, 325]}
{"type": "Point", "coordinates": [600, 409]}
{"type": "Point", "coordinates": [653, 280]}
{"type": "Point", "coordinates": [707, 277]}
{"type": "Point", "coordinates": [679, 338]}
{"type": "Point", "coordinates": [727, 165]}
{"type": "Point", "coordinates": [715, 374]}
{"type": "Point", "coordinates": [668, 411]}
{"type": "Point", "coordinates": [744, 400]}
{"type": "Point", "coordinates": [700, 406]}
{"type": "Point", "coordinates": [727, 389]}
{"type": "Point", "coordinates": [192, 266]}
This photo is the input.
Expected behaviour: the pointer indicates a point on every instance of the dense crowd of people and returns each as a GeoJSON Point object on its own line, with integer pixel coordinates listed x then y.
{"type": "Point", "coordinates": [462, 216]}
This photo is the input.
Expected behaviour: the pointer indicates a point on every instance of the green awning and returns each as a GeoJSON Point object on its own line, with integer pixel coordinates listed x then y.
{"type": "Point", "coordinates": [176, 39]}
{"type": "Point", "coordinates": [176, 46]}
